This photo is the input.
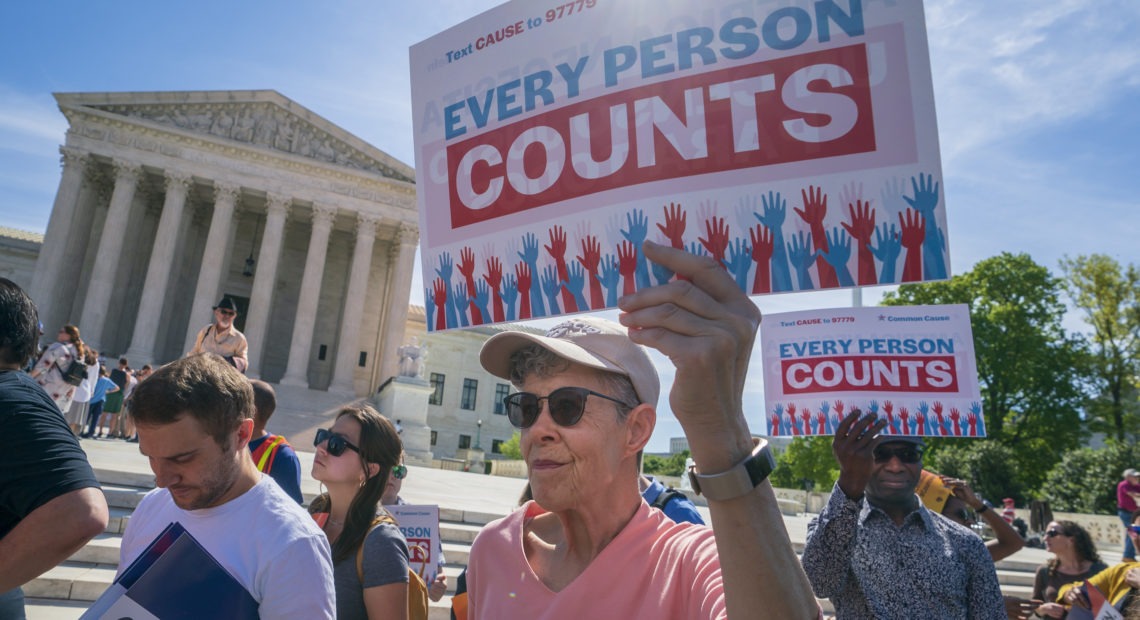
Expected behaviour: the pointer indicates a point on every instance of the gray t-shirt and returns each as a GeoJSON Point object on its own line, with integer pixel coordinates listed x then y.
{"type": "Point", "coordinates": [385, 562]}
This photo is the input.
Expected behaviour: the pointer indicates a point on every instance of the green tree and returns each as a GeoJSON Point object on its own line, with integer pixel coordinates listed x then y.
{"type": "Point", "coordinates": [1085, 480]}
{"type": "Point", "coordinates": [510, 448]}
{"type": "Point", "coordinates": [1109, 296]}
{"type": "Point", "coordinates": [985, 465]}
{"type": "Point", "coordinates": [806, 459]}
{"type": "Point", "coordinates": [672, 465]}
{"type": "Point", "coordinates": [1030, 370]}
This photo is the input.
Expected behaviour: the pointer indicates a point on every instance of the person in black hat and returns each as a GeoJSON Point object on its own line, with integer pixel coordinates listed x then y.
{"type": "Point", "coordinates": [877, 552]}
{"type": "Point", "coordinates": [222, 337]}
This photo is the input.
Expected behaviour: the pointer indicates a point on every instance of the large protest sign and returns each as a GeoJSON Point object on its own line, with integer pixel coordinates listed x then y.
{"type": "Point", "coordinates": [913, 365]}
{"type": "Point", "coordinates": [794, 141]}
{"type": "Point", "coordinates": [420, 526]}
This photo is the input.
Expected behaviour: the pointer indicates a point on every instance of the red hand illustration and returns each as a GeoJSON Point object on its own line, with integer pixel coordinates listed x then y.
{"type": "Point", "coordinates": [955, 417]}
{"type": "Point", "coordinates": [888, 406]}
{"type": "Point", "coordinates": [921, 419]}
{"type": "Point", "coordinates": [890, 429]}
{"type": "Point", "coordinates": [913, 233]}
{"type": "Point", "coordinates": [938, 416]}
{"type": "Point", "coordinates": [839, 409]}
{"type": "Point", "coordinates": [805, 415]}
{"type": "Point", "coordinates": [493, 279]}
{"type": "Point", "coordinates": [590, 259]}
{"type": "Point", "coordinates": [972, 420]}
{"type": "Point", "coordinates": [861, 228]}
{"type": "Point", "coordinates": [467, 268]}
{"type": "Point", "coordinates": [717, 233]}
{"type": "Point", "coordinates": [627, 264]}
{"type": "Point", "coordinates": [792, 417]}
{"type": "Point", "coordinates": [439, 288]}
{"type": "Point", "coordinates": [821, 423]}
{"type": "Point", "coordinates": [774, 428]}
{"type": "Point", "coordinates": [674, 227]}
{"type": "Point", "coordinates": [904, 417]}
{"type": "Point", "coordinates": [522, 273]}
{"type": "Point", "coordinates": [813, 213]}
{"type": "Point", "coordinates": [557, 250]}
{"type": "Point", "coordinates": [762, 255]}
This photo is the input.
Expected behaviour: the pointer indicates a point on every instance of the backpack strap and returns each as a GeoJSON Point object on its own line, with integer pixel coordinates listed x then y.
{"type": "Point", "coordinates": [665, 497]}
{"type": "Point", "coordinates": [265, 453]}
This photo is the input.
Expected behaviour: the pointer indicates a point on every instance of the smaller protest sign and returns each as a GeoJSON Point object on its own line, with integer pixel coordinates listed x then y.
{"type": "Point", "coordinates": [912, 365]}
{"type": "Point", "coordinates": [420, 526]}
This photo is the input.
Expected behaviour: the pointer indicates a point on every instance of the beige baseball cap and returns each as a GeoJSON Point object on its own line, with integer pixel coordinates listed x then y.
{"type": "Point", "coordinates": [589, 341]}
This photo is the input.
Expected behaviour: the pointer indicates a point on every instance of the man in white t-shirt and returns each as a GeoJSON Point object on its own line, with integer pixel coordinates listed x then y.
{"type": "Point", "coordinates": [194, 418]}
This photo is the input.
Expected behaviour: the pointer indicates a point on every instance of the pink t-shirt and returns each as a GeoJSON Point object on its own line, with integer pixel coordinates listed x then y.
{"type": "Point", "coordinates": [654, 568]}
{"type": "Point", "coordinates": [1123, 500]}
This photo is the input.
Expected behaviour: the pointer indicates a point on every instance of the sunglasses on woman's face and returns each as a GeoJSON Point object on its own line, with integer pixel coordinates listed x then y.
{"type": "Point", "coordinates": [400, 472]}
{"type": "Point", "coordinates": [336, 442]}
{"type": "Point", "coordinates": [566, 405]}
{"type": "Point", "coordinates": [1053, 533]}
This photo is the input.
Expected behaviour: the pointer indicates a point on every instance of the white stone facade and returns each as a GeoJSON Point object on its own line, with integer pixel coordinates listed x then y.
{"type": "Point", "coordinates": [165, 197]}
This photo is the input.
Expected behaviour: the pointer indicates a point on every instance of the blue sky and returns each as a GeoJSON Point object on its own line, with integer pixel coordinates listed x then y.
{"type": "Point", "coordinates": [1035, 102]}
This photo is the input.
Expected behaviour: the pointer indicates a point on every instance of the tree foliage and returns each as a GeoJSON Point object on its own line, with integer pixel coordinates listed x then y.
{"type": "Point", "coordinates": [672, 465]}
{"type": "Point", "coordinates": [1031, 371]}
{"type": "Point", "coordinates": [1085, 480]}
{"type": "Point", "coordinates": [806, 459]}
{"type": "Point", "coordinates": [986, 465]}
{"type": "Point", "coordinates": [1109, 296]}
{"type": "Point", "coordinates": [510, 448]}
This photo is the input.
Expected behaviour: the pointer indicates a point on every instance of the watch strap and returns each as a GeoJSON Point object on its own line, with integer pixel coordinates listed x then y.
{"type": "Point", "coordinates": [740, 479]}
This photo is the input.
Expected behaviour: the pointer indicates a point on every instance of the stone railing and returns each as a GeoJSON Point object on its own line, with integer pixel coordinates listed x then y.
{"type": "Point", "coordinates": [508, 469]}
{"type": "Point", "coordinates": [449, 464]}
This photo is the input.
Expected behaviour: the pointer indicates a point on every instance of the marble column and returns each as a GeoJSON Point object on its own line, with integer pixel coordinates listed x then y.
{"type": "Point", "coordinates": [46, 281]}
{"type": "Point", "coordinates": [348, 344]}
{"type": "Point", "coordinates": [264, 280]}
{"type": "Point", "coordinates": [400, 286]}
{"type": "Point", "coordinates": [213, 260]}
{"type": "Point", "coordinates": [102, 286]}
{"type": "Point", "coordinates": [158, 269]}
{"type": "Point", "coordinates": [297, 370]}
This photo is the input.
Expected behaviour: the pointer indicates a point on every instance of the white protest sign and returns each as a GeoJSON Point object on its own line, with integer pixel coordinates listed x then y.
{"type": "Point", "coordinates": [913, 365]}
{"type": "Point", "coordinates": [794, 141]}
{"type": "Point", "coordinates": [420, 526]}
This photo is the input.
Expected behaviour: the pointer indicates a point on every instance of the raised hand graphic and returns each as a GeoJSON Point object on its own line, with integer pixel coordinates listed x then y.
{"type": "Point", "coordinates": [887, 249]}
{"type": "Point", "coordinates": [637, 227]}
{"type": "Point", "coordinates": [494, 278]}
{"type": "Point", "coordinates": [802, 256]}
{"type": "Point", "coordinates": [956, 418]}
{"type": "Point", "coordinates": [762, 256]}
{"type": "Point", "coordinates": [590, 259]}
{"type": "Point", "coordinates": [510, 295]}
{"type": "Point", "coordinates": [972, 421]}
{"type": "Point", "coordinates": [717, 241]}
{"type": "Point", "coordinates": [938, 417]}
{"type": "Point", "coordinates": [861, 227]}
{"type": "Point", "coordinates": [920, 424]}
{"type": "Point", "coordinates": [551, 286]}
{"type": "Point", "coordinates": [429, 307]}
{"type": "Point", "coordinates": [459, 303]}
{"type": "Point", "coordinates": [662, 273]}
{"type": "Point", "coordinates": [839, 409]}
{"type": "Point", "coordinates": [792, 416]}
{"type": "Point", "coordinates": [820, 423]}
{"type": "Point", "coordinates": [892, 428]}
{"type": "Point", "coordinates": [557, 251]}
{"type": "Point", "coordinates": [444, 313]}
{"type": "Point", "coordinates": [838, 255]}
{"type": "Point", "coordinates": [805, 415]}
{"type": "Point", "coordinates": [924, 412]}
{"type": "Point", "coordinates": [522, 272]}
{"type": "Point", "coordinates": [529, 255]}
{"type": "Point", "coordinates": [445, 267]}
{"type": "Point", "coordinates": [813, 214]}
{"type": "Point", "coordinates": [775, 211]}
{"type": "Point", "coordinates": [482, 297]}
{"type": "Point", "coordinates": [739, 262]}
{"type": "Point", "coordinates": [627, 264]}
{"type": "Point", "coordinates": [575, 284]}
{"type": "Point", "coordinates": [610, 277]}
{"type": "Point", "coordinates": [913, 233]}
{"type": "Point", "coordinates": [925, 202]}
{"type": "Point", "coordinates": [674, 228]}
{"type": "Point", "coordinates": [904, 421]}
{"type": "Point", "coordinates": [976, 410]}
{"type": "Point", "coordinates": [774, 425]}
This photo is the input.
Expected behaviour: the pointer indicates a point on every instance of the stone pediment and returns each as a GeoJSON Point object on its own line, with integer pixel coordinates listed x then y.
{"type": "Point", "coordinates": [262, 118]}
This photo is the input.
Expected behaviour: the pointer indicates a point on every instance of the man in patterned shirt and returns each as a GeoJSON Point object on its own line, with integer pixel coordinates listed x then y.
{"type": "Point", "coordinates": [877, 552]}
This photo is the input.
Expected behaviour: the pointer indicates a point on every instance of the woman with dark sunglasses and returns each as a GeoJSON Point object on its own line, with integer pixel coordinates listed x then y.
{"type": "Point", "coordinates": [354, 460]}
{"type": "Point", "coordinates": [1075, 559]}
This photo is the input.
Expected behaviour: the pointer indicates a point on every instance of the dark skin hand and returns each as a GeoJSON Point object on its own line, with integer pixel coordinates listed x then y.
{"type": "Point", "coordinates": [853, 446]}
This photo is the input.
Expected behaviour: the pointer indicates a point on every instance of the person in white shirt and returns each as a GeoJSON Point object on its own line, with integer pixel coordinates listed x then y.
{"type": "Point", "coordinates": [194, 418]}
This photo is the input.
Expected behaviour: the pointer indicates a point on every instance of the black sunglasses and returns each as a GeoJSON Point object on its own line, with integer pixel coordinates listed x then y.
{"type": "Point", "coordinates": [566, 405]}
{"type": "Point", "coordinates": [336, 442]}
{"type": "Point", "coordinates": [907, 455]}
{"type": "Point", "coordinates": [400, 472]}
{"type": "Point", "coordinates": [1052, 533]}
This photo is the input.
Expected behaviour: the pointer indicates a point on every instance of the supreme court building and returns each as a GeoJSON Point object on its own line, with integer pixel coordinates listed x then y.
{"type": "Point", "coordinates": [170, 200]}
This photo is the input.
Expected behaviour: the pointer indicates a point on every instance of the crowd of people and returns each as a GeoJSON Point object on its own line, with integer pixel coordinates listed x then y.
{"type": "Point", "coordinates": [593, 536]}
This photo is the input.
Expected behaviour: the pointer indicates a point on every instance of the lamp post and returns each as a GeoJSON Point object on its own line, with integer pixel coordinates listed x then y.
{"type": "Point", "coordinates": [478, 434]}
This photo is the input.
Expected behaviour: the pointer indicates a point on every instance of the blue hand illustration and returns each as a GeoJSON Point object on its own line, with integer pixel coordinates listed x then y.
{"type": "Point", "coordinates": [429, 308]}
{"type": "Point", "coordinates": [931, 421]}
{"type": "Point", "coordinates": [925, 201]}
{"type": "Point", "coordinates": [510, 294]}
{"type": "Point", "coordinates": [739, 262]}
{"type": "Point", "coordinates": [445, 267]}
{"type": "Point", "coordinates": [576, 281]}
{"type": "Point", "coordinates": [837, 255]}
{"type": "Point", "coordinates": [889, 246]}
{"type": "Point", "coordinates": [803, 257]}
{"type": "Point", "coordinates": [610, 277]}
{"type": "Point", "coordinates": [697, 249]}
{"type": "Point", "coordinates": [775, 210]}
{"type": "Point", "coordinates": [529, 255]}
{"type": "Point", "coordinates": [780, 428]}
{"type": "Point", "coordinates": [482, 297]}
{"type": "Point", "coordinates": [873, 407]}
{"type": "Point", "coordinates": [661, 272]}
{"type": "Point", "coordinates": [551, 286]}
{"type": "Point", "coordinates": [825, 407]}
{"type": "Point", "coordinates": [637, 228]}
{"type": "Point", "coordinates": [976, 409]}
{"type": "Point", "coordinates": [458, 303]}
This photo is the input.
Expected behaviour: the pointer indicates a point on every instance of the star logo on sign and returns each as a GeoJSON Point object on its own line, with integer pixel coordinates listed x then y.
{"type": "Point", "coordinates": [882, 317]}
